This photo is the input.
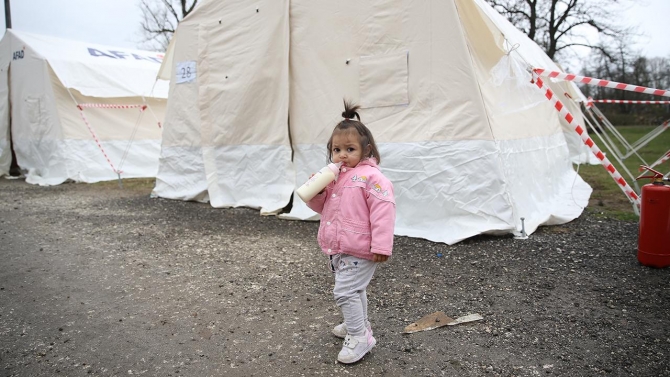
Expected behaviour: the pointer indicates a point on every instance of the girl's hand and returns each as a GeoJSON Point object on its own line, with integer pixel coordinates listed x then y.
{"type": "Point", "coordinates": [379, 258]}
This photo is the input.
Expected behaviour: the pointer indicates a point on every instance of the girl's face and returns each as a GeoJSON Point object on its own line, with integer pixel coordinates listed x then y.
{"type": "Point", "coordinates": [346, 148]}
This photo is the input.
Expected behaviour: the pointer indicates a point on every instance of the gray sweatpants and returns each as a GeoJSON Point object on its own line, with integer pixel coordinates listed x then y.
{"type": "Point", "coordinates": [352, 276]}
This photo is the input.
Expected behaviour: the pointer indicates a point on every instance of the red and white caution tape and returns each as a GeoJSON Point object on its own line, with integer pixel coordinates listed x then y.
{"type": "Point", "coordinates": [598, 82]}
{"type": "Point", "coordinates": [661, 160]}
{"type": "Point", "coordinates": [558, 105]}
{"type": "Point", "coordinates": [142, 107]}
{"type": "Point", "coordinates": [95, 137]}
{"type": "Point", "coordinates": [81, 106]}
{"type": "Point", "coordinates": [631, 101]}
{"type": "Point", "coordinates": [110, 106]}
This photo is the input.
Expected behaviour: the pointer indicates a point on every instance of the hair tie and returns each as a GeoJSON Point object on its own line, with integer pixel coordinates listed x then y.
{"type": "Point", "coordinates": [351, 117]}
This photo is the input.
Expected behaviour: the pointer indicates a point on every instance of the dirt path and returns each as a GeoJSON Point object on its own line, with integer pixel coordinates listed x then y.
{"type": "Point", "coordinates": [98, 280]}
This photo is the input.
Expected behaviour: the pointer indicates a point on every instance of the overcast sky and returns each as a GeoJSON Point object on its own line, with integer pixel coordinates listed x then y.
{"type": "Point", "coordinates": [109, 22]}
{"type": "Point", "coordinates": [117, 22]}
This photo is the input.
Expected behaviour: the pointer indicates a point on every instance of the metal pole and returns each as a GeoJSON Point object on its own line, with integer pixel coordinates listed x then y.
{"type": "Point", "coordinates": [14, 169]}
{"type": "Point", "coordinates": [8, 15]}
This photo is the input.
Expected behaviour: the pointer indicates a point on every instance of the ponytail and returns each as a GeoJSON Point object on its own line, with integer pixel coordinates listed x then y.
{"type": "Point", "coordinates": [350, 111]}
{"type": "Point", "coordinates": [349, 124]}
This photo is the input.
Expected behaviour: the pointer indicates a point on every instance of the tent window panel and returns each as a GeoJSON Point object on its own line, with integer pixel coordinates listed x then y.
{"type": "Point", "coordinates": [35, 111]}
{"type": "Point", "coordinates": [383, 80]}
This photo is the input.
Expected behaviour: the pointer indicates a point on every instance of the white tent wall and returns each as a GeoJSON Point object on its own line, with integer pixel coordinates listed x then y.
{"type": "Point", "coordinates": [181, 172]}
{"type": "Point", "coordinates": [529, 54]}
{"type": "Point", "coordinates": [52, 141]}
{"type": "Point", "coordinates": [5, 147]}
{"type": "Point", "coordinates": [543, 186]}
{"type": "Point", "coordinates": [423, 139]}
{"type": "Point", "coordinates": [36, 128]}
{"type": "Point", "coordinates": [135, 156]}
{"type": "Point", "coordinates": [230, 124]}
{"type": "Point", "coordinates": [461, 163]}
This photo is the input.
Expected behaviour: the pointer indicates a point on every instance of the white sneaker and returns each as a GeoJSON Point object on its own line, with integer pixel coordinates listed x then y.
{"type": "Point", "coordinates": [355, 347]}
{"type": "Point", "coordinates": [340, 330]}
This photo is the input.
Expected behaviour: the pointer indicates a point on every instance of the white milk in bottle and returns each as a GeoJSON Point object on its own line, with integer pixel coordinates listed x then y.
{"type": "Point", "coordinates": [318, 181]}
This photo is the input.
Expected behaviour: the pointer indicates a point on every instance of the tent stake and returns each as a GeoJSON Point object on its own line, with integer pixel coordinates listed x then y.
{"type": "Point", "coordinates": [523, 235]}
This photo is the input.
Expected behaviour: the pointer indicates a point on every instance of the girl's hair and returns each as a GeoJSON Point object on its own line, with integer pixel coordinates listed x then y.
{"type": "Point", "coordinates": [349, 124]}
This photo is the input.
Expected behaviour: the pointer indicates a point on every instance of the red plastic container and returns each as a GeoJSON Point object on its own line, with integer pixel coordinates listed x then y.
{"type": "Point", "coordinates": [653, 247]}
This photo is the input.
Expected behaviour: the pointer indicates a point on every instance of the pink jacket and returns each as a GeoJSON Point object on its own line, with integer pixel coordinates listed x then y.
{"type": "Point", "coordinates": [357, 212]}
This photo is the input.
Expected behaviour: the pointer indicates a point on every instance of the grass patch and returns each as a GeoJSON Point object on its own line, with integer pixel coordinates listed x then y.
{"type": "Point", "coordinates": [132, 184]}
{"type": "Point", "coordinates": [607, 198]}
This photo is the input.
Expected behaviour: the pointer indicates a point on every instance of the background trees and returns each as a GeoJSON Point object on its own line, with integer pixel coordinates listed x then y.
{"type": "Point", "coordinates": [160, 20]}
{"type": "Point", "coordinates": [559, 26]}
{"type": "Point", "coordinates": [629, 67]}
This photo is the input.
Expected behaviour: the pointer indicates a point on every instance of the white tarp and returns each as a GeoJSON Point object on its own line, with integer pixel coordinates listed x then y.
{"type": "Point", "coordinates": [54, 140]}
{"type": "Point", "coordinates": [97, 70]}
{"type": "Point", "coordinates": [468, 154]}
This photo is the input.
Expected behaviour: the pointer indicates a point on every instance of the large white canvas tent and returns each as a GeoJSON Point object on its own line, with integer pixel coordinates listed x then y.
{"type": "Point", "coordinates": [76, 109]}
{"type": "Point", "coordinates": [470, 144]}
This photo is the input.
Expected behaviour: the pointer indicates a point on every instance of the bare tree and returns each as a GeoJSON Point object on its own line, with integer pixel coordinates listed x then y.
{"type": "Point", "coordinates": [659, 72]}
{"type": "Point", "coordinates": [160, 19]}
{"type": "Point", "coordinates": [557, 25]}
{"type": "Point", "coordinates": [620, 64]}
{"type": "Point", "coordinates": [628, 66]}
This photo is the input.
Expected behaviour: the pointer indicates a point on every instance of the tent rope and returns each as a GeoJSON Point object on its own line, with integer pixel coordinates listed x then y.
{"type": "Point", "coordinates": [151, 93]}
{"type": "Point", "coordinates": [152, 111]}
{"type": "Point", "coordinates": [132, 136]}
{"type": "Point", "coordinates": [510, 47]}
{"type": "Point", "coordinates": [97, 141]}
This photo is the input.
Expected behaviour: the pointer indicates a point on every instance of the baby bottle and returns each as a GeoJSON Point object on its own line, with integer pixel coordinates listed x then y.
{"type": "Point", "coordinates": [318, 181]}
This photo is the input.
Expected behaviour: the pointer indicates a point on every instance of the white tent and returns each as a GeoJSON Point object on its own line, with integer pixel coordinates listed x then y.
{"type": "Point", "coordinates": [470, 144]}
{"type": "Point", "coordinates": [78, 110]}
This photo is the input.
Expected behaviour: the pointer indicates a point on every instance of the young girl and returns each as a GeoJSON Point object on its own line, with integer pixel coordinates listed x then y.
{"type": "Point", "coordinates": [356, 231]}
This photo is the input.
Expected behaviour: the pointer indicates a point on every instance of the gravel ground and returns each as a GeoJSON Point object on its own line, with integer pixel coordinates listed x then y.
{"type": "Point", "coordinates": [99, 280]}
